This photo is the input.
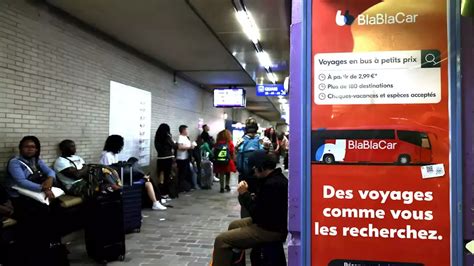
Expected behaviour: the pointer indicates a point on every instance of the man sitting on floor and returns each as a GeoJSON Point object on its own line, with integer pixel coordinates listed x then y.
{"type": "Point", "coordinates": [268, 209]}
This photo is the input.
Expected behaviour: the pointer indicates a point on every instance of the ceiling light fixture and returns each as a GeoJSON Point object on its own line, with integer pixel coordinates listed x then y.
{"type": "Point", "coordinates": [272, 77]}
{"type": "Point", "coordinates": [250, 28]}
{"type": "Point", "coordinates": [234, 53]}
{"type": "Point", "coordinates": [264, 59]}
{"type": "Point", "coordinates": [248, 25]}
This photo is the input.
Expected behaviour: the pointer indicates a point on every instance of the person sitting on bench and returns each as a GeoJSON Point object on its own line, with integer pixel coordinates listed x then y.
{"type": "Point", "coordinates": [268, 209]}
{"type": "Point", "coordinates": [72, 170]}
{"type": "Point", "coordinates": [38, 223]}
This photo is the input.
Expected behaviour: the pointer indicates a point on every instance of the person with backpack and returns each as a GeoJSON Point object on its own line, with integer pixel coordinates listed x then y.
{"type": "Point", "coordinates": [249, 143]}
{"type": "Point", "coordinates": [224, 159]}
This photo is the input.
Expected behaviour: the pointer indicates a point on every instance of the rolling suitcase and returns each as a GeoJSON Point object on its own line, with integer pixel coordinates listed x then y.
{"type": "Point", "coordinates": [104, 230]}
{"type": "Point", "coordinates": [207, 175]}
{"type": "Point", "coordinates": [132, 202]}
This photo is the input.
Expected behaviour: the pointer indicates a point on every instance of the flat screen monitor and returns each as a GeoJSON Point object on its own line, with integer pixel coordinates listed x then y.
{"type": "Point", "coordinates": [227, 98]}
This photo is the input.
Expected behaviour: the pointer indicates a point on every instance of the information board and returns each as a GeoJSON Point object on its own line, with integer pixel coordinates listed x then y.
{"type": "Point", "coordinates": [130, 117]}
{"type": "Point", "coordinates": [233, 97]}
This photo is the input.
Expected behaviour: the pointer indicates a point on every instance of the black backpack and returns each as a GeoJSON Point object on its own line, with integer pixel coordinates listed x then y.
{"type": "Point", "coordinates": [222, 154]}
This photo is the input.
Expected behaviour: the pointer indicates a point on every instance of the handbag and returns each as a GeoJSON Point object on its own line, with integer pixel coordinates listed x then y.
{"type": "Point", "coordinates": [35, 176]}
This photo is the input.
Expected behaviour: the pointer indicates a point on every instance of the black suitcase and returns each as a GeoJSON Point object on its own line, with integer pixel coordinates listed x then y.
{"type": "Point", "coordinates": [132, 203]}
{"type": "Point", "coordinates": [104, 230]}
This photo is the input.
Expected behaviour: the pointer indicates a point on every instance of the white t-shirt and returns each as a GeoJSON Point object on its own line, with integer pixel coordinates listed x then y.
{"type": "Point", "coordinates": [108, 158]}
{"type": "Point", "coordinates": [183, 155]}
{"type": "Point", "coordinates": [62, 163]}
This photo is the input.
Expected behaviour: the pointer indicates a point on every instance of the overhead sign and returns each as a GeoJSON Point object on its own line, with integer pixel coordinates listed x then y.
{"type": "Point", "coordinates": [380, 133]}
{"type": "Point", "coordinates": [271, 90]}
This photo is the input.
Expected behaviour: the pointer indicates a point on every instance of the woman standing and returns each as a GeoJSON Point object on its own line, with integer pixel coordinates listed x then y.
{"type": "Point", "coordinates": [224, 158]}
{"type": "Point", "coordinates": [164, 146]}
{"type": "Point", "coordinates": [113, 146]}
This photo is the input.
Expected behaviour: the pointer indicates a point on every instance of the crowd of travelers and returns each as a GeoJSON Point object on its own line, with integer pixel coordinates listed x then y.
{"type": "Point", "coordinates": [181, 167]}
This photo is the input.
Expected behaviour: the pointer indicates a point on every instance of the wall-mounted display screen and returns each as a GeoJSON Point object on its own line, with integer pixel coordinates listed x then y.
{"type": "Point", "coordinates": [226, 98]}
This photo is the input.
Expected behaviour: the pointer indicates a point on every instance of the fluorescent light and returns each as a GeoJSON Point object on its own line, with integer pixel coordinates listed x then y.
{"type": "Point", "coordinates": [234, 53]}
{"type": "Point", "coordinates": [264, 59]}
{"type": "Point", "coordinates": [272, 77]}
{"type": "Point", "coordinates": [244, 65]}
{"type": "Point", "coordinates": [255, 30]}
{"type": "Point", "coordinates": [248, 25]}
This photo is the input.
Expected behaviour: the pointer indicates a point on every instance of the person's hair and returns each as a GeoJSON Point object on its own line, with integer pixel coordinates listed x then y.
{"type": "Point", "coordinates": [224, 135]}
{"type": "Point", "coordinates": [114, 144]}
{"type": "Point", "coordinates": [162, 133]}
{"type": "Point", "coordinates": [268, 134]}
{"type": "Point", "coordinates": [204, 126]}
{"type": "Point", "coordinates": [251, 125]}
{"type": "Point", "coordinates": [205, 137]}
{"type": "Point", "coordinates": [269, 162]}
{"type": "Point", "coordinates": [182, 128]}
{"type": "Point", "coordinates": [63, 144]}
{"type": "Point", "coordinates": [35, 140]}
{"type": "Point", "coordinates": [281, 136]}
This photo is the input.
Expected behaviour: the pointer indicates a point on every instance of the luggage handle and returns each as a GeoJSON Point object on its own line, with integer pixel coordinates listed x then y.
{"type": "Point", "coordinates": [122, 177]}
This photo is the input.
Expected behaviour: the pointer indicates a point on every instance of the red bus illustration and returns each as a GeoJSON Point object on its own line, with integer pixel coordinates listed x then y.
{"type": "Point", "coordinates": [394, 146]}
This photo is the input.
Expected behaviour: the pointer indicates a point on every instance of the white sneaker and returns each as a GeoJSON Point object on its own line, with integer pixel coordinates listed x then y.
{"type": "Point", "coordinates": [216, 179]}
{"type": "Point", "coordinates": [163, 201]}
{"type": "Point", "coordinates": [158, 207]}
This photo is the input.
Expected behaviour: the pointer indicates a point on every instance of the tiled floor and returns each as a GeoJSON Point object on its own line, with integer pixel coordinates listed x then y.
{"type": "Point", "coordinates": [182, 235]}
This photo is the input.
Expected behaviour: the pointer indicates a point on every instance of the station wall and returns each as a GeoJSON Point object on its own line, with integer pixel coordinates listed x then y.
{"type": "Point", "coordinates": [55, 84]}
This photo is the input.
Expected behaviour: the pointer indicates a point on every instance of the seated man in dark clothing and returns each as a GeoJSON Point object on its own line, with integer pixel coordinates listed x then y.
{"type": "Point", "coordinates": [268, 209]}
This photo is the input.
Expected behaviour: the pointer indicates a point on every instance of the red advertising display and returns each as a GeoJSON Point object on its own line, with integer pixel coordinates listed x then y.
{"type": "Point", "coordinates": [380, 140]}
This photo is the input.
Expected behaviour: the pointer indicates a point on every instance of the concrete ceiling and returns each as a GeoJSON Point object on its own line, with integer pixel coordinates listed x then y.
{"type": "Point", "coordinates": [200, 40]}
